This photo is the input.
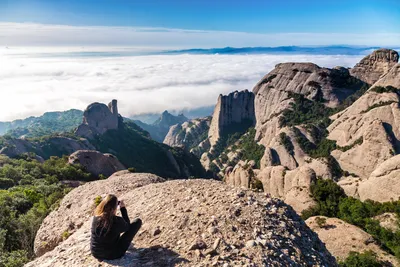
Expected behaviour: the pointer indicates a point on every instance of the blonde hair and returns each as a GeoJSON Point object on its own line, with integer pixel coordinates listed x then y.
{"type": "Point", "coordinates": [106, 211]}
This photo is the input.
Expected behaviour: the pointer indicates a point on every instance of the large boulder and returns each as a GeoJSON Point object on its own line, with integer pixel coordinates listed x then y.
{"type": "Point", "coordinates": [376, 64]}
{"type": "Point", "coordinates": [77, 207]}
{"type": "Point", "coordinates": [192, 223]}
{"type": "Point", "coordinates": [96, 163]}
{"type": "Point", "coordinates": [341, 238]}
{"type": "Point", "coordinates": [384, 183]}
{"type": "Point", "coordinates": [97, 119]}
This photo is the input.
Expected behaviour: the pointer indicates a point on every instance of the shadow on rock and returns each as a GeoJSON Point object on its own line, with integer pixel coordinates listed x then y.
{"type": "Point", "coordinates": [152, 256]}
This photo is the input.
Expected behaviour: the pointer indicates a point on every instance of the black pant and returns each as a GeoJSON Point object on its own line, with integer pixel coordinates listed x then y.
{"type": "Point", "coordinates": [126, 239]}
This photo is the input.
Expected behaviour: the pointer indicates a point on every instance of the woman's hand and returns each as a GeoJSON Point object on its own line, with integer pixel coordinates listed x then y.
{"type": "Point", "coordinates": [121, 204]}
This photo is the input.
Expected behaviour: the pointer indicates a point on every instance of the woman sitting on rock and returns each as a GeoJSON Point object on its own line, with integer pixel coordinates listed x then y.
{"type": "Point", "coordinates": [106, 242]}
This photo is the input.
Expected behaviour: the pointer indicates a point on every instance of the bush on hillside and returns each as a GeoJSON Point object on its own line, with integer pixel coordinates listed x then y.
{"type": "Point", "coordinates": [333, 202]}
{"type": "Point", "coordinates": [365, 259]}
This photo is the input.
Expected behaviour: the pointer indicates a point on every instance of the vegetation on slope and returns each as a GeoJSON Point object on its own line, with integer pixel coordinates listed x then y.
{"type": "Point", "coordinates": [131, 146]}
{"type": "Point", "coordinates": [48, 123]}
{"type": "Point", "coordinates": [304, 111]}
{"type": "Point", "coordinates": [29, 191]}
{"type": "Point", "coordinates": [333, 202]}
{"type": "Point", "coordinates": [365, 259]}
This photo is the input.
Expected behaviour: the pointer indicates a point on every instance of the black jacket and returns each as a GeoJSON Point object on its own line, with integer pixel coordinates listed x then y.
{"type": "Point", "coordinates": [102, 243]}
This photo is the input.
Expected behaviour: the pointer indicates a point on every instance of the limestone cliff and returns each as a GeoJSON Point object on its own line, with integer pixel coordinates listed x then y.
{"type": "Point", "coordinates": [185, 223]}
{"type": "Point", "coordinates": [232, 113]}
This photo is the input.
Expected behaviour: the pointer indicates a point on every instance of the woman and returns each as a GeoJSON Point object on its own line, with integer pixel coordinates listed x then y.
{"type": "Point", "coordinates": [106, 242]}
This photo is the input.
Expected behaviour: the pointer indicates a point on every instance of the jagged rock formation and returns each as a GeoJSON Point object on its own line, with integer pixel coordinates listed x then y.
{"type": "Point", "coordinates": [232, 113]}
{"type": "Point", "coordinates": [293, 186]}
{"type": "Point", "coordinates": [159, 129]}
{"type": "Point", "coordinates": [97, 119]}
{"type": "Point", "coordinates": [198, 223]}
{"type": "Point", "coordinates": [96, 163]}
{"type": "Point", "coordinates": [371, 68]}
{"type": "Point", "coordinates": [242, 175]}
{"type": "Point", "coordinates": [341, 238]}
{"type": "Point", "coordinates": [76, 208]}
{"type": "Point", "coordinates": [189, 135]}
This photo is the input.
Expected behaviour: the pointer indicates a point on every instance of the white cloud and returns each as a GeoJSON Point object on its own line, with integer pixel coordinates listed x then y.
{"type": "Point", "coordinates": [32, 85]}
{"type": "Point", "coordinates": [30, 34]}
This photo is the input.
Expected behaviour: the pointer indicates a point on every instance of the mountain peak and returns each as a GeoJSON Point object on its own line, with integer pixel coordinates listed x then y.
{"type": "Point", "coordinates": [374, 65]}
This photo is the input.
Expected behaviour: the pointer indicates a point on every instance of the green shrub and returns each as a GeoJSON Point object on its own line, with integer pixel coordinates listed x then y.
{"type": "Point", "coordinates": [321, 221]}
{"type": "Point", "coordinates": [387, 89]}
{"type": "Point", "coordinates": [359, 141]}
{"type": "Point", "coordinates": [131, 169]}
{"type": "Point", "coordinates": [97, 200]}
{"type": "Point", "coordinates": [65, 235]}
{"type": "Point", "coordinates": [380, 104]}
{"type": "Point", "coordinates": [365, 259]}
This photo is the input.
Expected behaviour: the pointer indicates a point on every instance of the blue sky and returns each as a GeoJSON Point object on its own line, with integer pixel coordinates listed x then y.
{"type": "Point", "coordinates": [249, 16]}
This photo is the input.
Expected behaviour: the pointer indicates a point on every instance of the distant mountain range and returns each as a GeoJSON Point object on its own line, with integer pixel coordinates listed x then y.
{"type": "Point", "coordinates": [317, 50]}
{"type": "Point", "coordinates": [48, 123]}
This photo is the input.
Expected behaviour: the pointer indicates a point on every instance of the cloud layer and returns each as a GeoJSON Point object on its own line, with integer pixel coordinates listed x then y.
{"type": "Point", "coordinates": [29, 34]}
{"type": "Point", "coordinates": [32, 85]}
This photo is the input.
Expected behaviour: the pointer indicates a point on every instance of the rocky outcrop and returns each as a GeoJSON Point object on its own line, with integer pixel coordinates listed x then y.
{"type": "Point", "coordinates": [293, 186]}
{"type": "Point", "coordinates": [273, 92]}
{"type": "Point", "coordinates": [371, 68]}
{"type": "Point", "coordinates": [97, 119]}
{"type": "Point", "coordinates": [390, 78]}
{"type": "Point", "coordinates": [375, 119]}
{"type": "Point", "coordinates": [384, 182]}
{"type": "Point", "coordinates": [188, 223]}
{"type": "Point", "coordinates": [341, 238]}
{"type": "Point", "coordinates": [389, 221]}
{"type": "Point", "coordinates": [76, 208]}
{"type": "Point", "coordinates": [189, 135]}
{"type": "Point", "coordinates": [242, 175]}
{"type": "Point", "coordinates": [232, 113]}
{"type": "Point", "coordinates": [96, 163]}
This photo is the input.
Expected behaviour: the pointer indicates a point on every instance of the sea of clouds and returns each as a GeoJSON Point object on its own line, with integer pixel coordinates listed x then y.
{"type": "Point", "coordinates": [34, 83]}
